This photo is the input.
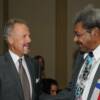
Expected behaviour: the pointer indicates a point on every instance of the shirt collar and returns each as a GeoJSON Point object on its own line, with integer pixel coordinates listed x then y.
{"type": "Point", "coordinates": [14, 56]}
{"type": "Point", "coordinates": [96, 53]}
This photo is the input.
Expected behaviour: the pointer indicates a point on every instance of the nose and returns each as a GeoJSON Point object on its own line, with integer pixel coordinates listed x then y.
{"type": "Point", "coordinates": [28, 39]}
{"type": "Point", "coordinates": [75, 38]}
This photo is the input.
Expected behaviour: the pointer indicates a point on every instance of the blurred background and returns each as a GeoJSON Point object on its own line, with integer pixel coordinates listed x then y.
{"type": "Point", "coordinates": [51, 23]}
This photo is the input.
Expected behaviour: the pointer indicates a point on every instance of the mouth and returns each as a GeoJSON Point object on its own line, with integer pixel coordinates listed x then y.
{"type": "Point", "coordinates": [26, 45]}
{"type": "Point", "coordinates": [79, 44]}
{"type": "Point", "coordinates": [26, 48]}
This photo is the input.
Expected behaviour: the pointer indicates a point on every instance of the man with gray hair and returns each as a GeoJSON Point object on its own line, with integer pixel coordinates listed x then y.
{"type": "Point", "coordinates": [85, 84]}
{"type": "Point", "coordinates": [18, 72]}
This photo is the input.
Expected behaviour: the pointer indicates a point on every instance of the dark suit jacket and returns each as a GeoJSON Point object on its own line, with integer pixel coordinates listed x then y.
{"type": "Point", "coordinates": [69, 92]}
{"type": "Point", "coordinates": [10, 85]}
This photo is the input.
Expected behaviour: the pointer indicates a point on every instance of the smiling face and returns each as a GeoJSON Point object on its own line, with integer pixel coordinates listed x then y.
{"type": "Point", "coordinates": [86, 40]}
{"type": "Point", "coordinates": [19, 39]}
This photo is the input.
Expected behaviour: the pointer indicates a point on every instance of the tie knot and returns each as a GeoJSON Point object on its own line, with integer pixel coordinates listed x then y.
{"type": "Point", "coordinates": [20, 60]}
{"type": "Point", "coordinates": [90, 58]}
{"type": "Point", "coordinates": [90, 54]}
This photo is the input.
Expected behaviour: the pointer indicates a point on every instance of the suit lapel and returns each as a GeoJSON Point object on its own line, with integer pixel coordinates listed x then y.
{"type": "Point", "coordinates": [31, 68]}
{"type": "Point", "coordinates": [13, 71]}
{"type": "Point", "coordinates": [97, 76]}
{"type": "Point", "coordinates": [35, 76]}
{"type": "Point", "coordinates": [78, 65]}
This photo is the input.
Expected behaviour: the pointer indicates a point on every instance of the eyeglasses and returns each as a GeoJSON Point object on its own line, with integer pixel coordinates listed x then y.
{"type": "Point", "coordinates": [78, 34]}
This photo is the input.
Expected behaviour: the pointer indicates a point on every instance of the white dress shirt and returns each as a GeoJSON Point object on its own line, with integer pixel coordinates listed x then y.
{"type": "Point", "coordinates": [15, 59]}
{"type": "Point", "coordinates": [95, 65]}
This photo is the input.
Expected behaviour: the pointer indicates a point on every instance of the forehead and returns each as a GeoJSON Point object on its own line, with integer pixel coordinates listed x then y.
{"type": "Point", "coordinates": [53, 86]}
{"type": "Point", "coordinates": [79, 27]}
{"type": "Point", "coordinates": [20, 29]}
{"type": "Point", "coordinates": [20, 26]}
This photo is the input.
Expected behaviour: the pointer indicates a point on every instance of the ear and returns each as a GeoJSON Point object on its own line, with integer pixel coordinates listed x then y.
{"type": "Point", "coordinates": [95, 32]}
{"type": "Point", "coordinates": [10, 40]}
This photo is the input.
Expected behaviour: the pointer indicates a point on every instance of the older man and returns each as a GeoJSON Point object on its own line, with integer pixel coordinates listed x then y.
{"type": "Point", "coordinates": [18, 73]}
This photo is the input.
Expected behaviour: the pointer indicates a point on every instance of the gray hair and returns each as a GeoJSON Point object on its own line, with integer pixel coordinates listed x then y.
{"type": "Point", "coordinates": [10, 25]}
{"type": "Point", "coordinates": [90, 17]}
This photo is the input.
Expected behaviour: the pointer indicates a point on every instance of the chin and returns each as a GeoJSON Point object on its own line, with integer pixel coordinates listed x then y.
{"type": "Point", "coordinates": [83, 50]}
{"type": "Point", "coordinates": [26, 51]}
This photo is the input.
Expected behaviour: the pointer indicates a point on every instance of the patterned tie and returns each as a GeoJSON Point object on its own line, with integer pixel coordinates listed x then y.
{"type": "Point", "coordinates": [24, 81]}
{"type": "Point", "coordinates": [84, 76]}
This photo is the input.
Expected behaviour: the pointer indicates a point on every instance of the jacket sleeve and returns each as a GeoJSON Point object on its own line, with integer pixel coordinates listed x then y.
{"type": "Point", "coordinates": [69, 92]}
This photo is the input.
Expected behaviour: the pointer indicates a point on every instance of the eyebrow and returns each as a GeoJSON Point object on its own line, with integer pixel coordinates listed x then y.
{"type": "Point", "coordinates": [76, 33]}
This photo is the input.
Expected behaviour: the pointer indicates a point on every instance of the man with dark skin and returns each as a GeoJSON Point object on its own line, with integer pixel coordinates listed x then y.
{"type": "Point", "coordinates": [87, 37]}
